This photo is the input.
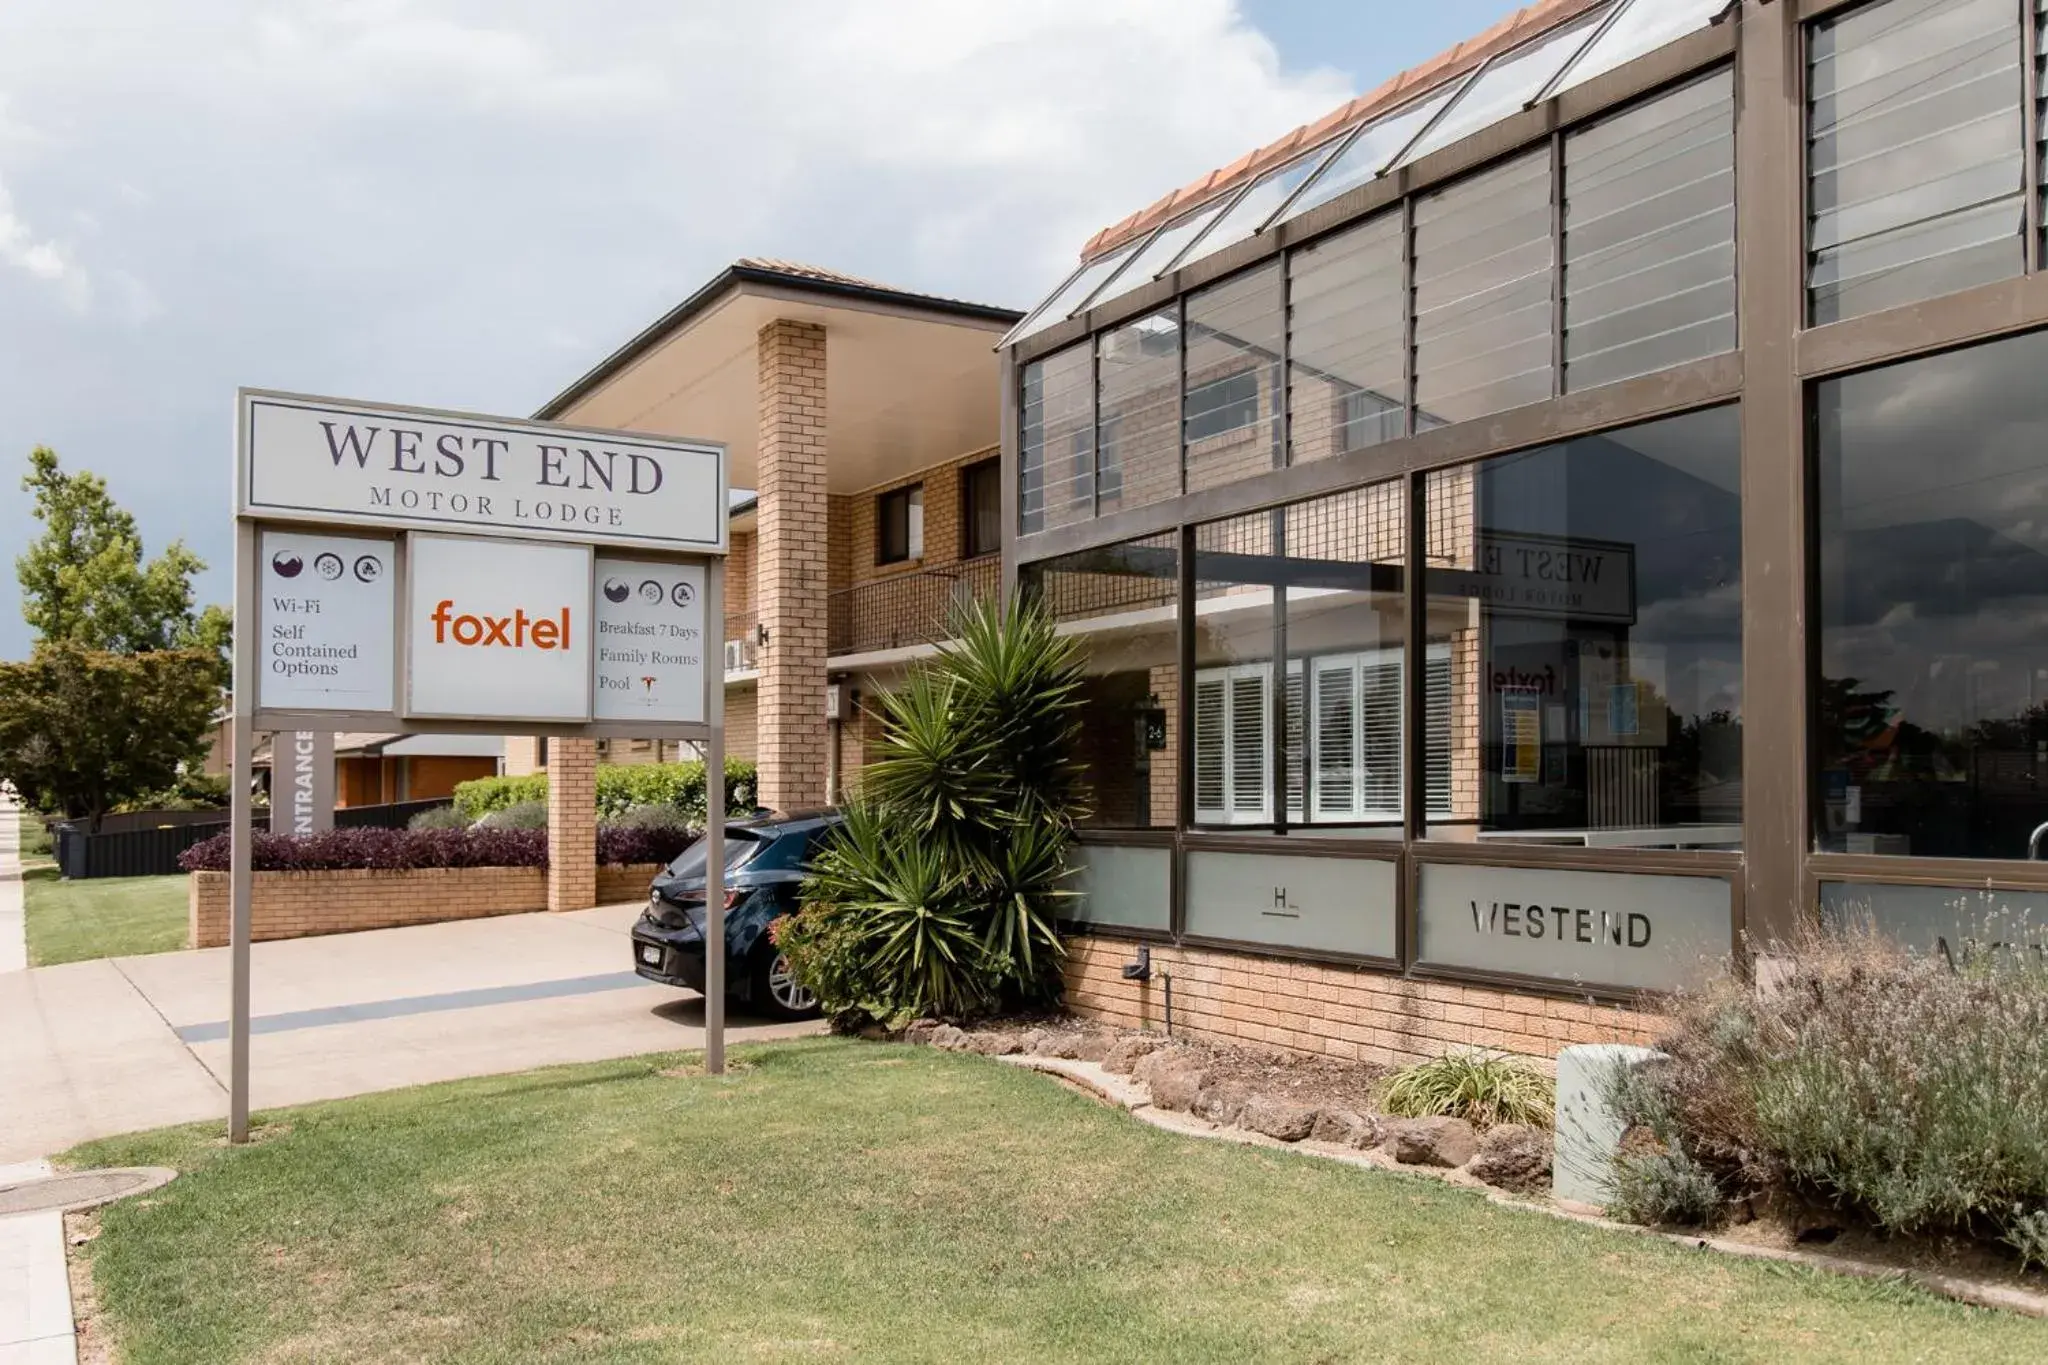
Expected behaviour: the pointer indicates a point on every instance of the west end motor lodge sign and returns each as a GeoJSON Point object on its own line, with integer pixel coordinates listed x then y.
{"type": "Point", "coordinates": [508, 611]}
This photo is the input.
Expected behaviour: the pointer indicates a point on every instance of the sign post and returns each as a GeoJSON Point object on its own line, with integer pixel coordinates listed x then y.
{"type": "Point", "coordinates": [406, 569]}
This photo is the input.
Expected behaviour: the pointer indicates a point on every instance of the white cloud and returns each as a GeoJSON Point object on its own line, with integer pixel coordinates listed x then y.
{"type": "Point", "coordinates": [466, 202]}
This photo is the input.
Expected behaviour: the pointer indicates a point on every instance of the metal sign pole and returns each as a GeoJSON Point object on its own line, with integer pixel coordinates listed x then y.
{"type": "Point", "coordinates": [714, 823]}
{"type": "Point", "coordinates": [239, 814]}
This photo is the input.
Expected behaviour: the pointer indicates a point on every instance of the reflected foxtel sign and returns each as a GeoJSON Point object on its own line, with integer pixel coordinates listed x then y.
{"type": "Point", "coordinates": [1519, 574]}
{"type": "Point", "coordinates": [331, 460]}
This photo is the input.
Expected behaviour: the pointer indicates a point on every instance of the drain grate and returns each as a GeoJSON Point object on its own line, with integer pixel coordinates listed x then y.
{"type": "Point", "coordinates": [80, 1189]}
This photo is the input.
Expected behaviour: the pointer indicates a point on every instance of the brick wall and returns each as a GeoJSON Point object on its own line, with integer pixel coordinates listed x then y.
{"type": "Point", "coordinates": [739, 724]}
{"type": "Point", "coordinates": [741, 601]}
{"type": "Point", "coordinates": [944, 528]}
{"type": "Point", "coordinates": [1349, 1012]}
{"type": "Point", "coordinates": [522, 755]}
{"type": "Point", "coordinates": [572, 824]}
{"type": "Point", "coordinates": [305, 904]}
{"type": "Point", "coordinates": [791, 567]}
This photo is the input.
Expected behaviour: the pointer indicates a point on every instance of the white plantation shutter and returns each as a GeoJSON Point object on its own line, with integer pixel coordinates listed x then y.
{"type": "Point", "coordinates": [1380, 707]}
{"type": "Point", "coordinates": [1437, 668]}
{"type": "Point", "coordinates": [1297, 758]}
{"type": "Point", "coordinates": [1336, 783]}
{"type": "Point", "coordinates": [1209, 759]}
{"type": "Point", "coordinates": [1250, 776]}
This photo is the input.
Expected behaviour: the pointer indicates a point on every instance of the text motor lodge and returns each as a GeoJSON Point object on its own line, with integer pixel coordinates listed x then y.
{"type": "Point", "coordinates": [455, 455]}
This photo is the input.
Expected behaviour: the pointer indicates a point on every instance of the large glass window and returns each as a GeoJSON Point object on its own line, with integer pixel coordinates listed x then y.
{"type": "Point", "coordinates": [1122, 602]}
{"type": "Point", "coordinates": [1138, 410]}
{"type": "Point", "coordinates": [1484, 267]}
{"type": "Point", "coordinates": [1056, 440]}
{"type": "Point", "coordinates": [1587, 598]}
{"type": "Point", "coordinates": [1318, 586]}
{"type": "Point", "coordinates": [1232, 412]}
{"type": "Point", "coordinates": [1916, 153]}
{"type": "Point", "coordinates": [1931, 704]}
{"type": "Point", "coordinates": [1347, 319]}
{"type": "Point", "coordinates": [1649, 236]}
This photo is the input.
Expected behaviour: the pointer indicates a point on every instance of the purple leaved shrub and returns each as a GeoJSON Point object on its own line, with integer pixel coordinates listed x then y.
{"type": "Point", "coordinates": [399, 850]}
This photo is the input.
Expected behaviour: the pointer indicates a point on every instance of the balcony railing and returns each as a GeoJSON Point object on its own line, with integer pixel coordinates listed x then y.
{"type": "Point", "coordinates": [908, 609]}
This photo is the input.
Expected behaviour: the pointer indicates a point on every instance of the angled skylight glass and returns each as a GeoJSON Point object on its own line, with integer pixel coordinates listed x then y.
{"type": "Point", "coordinates": [1505, 86]}
{"type": "Point", "coordinates": [1644, 26]}
{"type": "Point", "coordinates": [1069, 297]}
{"type": "Point", "coordinates": [1166, 244]}
{"type": "Point", "coordinates": [1367, 155]}
{"type": "Point", "coordinates": [1261, 201]}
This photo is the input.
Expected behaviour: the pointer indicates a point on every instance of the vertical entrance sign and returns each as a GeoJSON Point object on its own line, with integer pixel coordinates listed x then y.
{"type": "Point", "coordinates": [410, 569]}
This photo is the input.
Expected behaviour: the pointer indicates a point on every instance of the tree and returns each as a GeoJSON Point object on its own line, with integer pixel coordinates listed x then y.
{"type": "Point", "coordinates": [85, 582]}
{"type": "Point", "coordinates": [82, 730]}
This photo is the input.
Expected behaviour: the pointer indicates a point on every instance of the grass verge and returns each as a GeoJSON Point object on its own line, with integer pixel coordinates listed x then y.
{"type": "Point", "coordinates": [838, 1201]}
{"type": "Point", "coordinates": [37, 847]}
{"type": "Point", "coordinates": [103, 917]}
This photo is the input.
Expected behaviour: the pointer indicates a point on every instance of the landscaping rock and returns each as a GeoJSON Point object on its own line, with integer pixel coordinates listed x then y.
{"type": "Point", "coordinates": [921, 1031]}
{"type": "Point", "coordinates": [1277, 1118]}
{"type": "Point", "coordinates": [1176, 1087]}
{"type": "Point", "coordinates": [1431, 1142]}
{"type": "Point", "coordinates": [1514, 1156]}
{"type": "Point", "coordinates": [1092, 1045]}
{"type": "Point", "coordinates": [1154, 1062]}
{"type": "Point", "coordinates": [1000, 1043]}
{"type": "Point", "coordinates": [1345, 1128]}
{"type": "Point", "coordinates": [1028, 1041]}
{"type": "Point", "coordinates": [1222, 1101]}
{"type": "Point", "coordinates": [949, 1038]}
{"type": "Point", "coordinates": [1125, 1052]}
{"type": "Point", "coordinates": [1056, 1045]}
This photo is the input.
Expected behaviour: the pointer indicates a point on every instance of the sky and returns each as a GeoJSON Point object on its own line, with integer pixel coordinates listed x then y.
{"type": "Point", "coordinates": [467, 203]}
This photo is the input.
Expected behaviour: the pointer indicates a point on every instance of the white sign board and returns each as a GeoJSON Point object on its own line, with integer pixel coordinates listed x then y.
{"type": "Point", "coordinates": [650, 641]}
{"type": "Point", "coordinates": [324, 612]}
{"type": "Point", "coordinates": [1644, 931]}
{"type": "Point", "coordinates": [328, 460]}
{"type": "Point", "coordinates": [497, 629]}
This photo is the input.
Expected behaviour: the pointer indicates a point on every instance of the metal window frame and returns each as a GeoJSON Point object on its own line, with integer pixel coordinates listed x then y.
{"type": "Point", "coordinates": [1775, 878]}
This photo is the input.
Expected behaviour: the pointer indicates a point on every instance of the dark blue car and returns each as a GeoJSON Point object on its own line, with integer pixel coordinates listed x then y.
{"type": "Point", "coordinates": [765, 862]}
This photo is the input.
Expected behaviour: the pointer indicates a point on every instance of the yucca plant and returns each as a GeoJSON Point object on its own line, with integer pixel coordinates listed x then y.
{"type": "Point", "coordinates": [940, 893]}
{"type": "Point", "coordinates": [1483, 1088]}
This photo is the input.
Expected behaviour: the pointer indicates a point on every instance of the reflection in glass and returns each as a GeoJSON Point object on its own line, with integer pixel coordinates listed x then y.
{"type": "Point", "coordinates": [1232, 410]}
{"type": "Point", "coordinates": [1121, 601]}
{"type": "Point", "coordinates": [1138, 410]}
{"type": "Point", "coordinates": [1318, 585]}
{"type": "Point", "coordinates": [1056, 440]}
{"type": "Point", "coordinates": [1931, 708]}
{"type": "Point", "coordinates": [1347, 319]}
{"type": "Point", "coordinates": [1588, 597]}
{"type": "Point", "coordinates": [1916, 153]}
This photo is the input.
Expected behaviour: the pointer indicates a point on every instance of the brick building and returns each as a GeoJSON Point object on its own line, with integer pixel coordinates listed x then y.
{"type": "Point", "coordinates": [863, 422]}
{"type": "Point", "coordinates": [1571, 520]}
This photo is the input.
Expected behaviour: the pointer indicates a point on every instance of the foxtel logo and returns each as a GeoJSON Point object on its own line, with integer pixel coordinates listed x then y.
{"type": "Point", "coordinates": [517, 631]}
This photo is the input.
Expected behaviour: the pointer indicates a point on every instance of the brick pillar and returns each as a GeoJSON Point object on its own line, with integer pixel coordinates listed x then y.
{"type": "Point", "coordinates": [790, 565]}
{"type": "Point", "coordinates": [572, 824]}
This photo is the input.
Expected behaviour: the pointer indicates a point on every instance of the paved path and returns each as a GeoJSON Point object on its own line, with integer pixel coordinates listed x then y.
{"type": "Point", "coordinates": [13, 932]}
{"type": "Point", "coordinates": [92, 1049]}
{"type": "Point", "coordinates": [35, 1285]}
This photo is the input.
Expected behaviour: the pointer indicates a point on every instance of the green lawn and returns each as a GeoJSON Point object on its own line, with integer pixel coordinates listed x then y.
{"type": "Point", "coordinates": [839, 1201]}
{"type": "Point", "coordinates": [36, 845]}
{"type": "Point", "coordinates": [102, 917]}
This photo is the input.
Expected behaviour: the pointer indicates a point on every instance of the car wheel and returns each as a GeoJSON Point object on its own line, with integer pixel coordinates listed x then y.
{"type": "Point", "coordinates": [777, 990]}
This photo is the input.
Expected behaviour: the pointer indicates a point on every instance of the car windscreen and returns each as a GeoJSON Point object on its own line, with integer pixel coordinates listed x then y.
{"type": "Point", "coordinates": [741, 847]}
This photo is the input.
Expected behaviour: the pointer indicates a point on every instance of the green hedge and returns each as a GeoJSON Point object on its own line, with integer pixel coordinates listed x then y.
{"type": "Point", "coordinates": [620, 788]}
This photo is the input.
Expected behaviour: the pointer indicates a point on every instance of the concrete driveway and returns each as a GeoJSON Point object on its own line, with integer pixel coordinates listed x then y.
{"type": "Point", "coordinates": [91, 1049]}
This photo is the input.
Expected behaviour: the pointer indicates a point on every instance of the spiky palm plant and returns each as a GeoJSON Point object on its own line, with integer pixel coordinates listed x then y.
{"type": "Point", "coordinates": [940, 893]}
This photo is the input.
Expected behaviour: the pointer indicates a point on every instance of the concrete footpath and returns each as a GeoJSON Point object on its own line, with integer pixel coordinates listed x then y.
{"type": "Point", "coordinates": [93, 1049]}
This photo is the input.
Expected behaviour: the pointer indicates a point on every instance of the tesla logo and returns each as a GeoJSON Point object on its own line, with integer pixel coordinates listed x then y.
{"type": "Point", "coordinates": [647, 682]}
{"type": "Point", "coordinates": [517, 631]}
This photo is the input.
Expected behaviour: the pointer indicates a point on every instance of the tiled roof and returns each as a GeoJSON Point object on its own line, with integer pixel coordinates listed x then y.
{"type": "Point", "coordinates": [812, 272]}
{"type": "Point", "coordinates": [1518, 27]}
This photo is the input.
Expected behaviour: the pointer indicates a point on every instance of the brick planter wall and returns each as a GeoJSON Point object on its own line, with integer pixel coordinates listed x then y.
{"type": "Point", "coordinates": [302, 904]}
{"type": "Point", "coordinates": [1349, 1012]}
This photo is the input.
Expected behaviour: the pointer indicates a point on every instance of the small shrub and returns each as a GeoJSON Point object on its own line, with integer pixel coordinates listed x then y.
{"type": "Point", "coordinates": [2026, 1231]}
{"type": "Point", "coordinates": [626, 844]}
{"type": "Point", "coordinates": [1480, 1087]}
{"type": "Point", "coordinates": [522, 815]}
{"type": "Point", "coordinates": [620, 788]}
{"type": "Point", "coordinates": [1906, 1089]}
{"type": "Point", "coordinates": [652, 817]}
{"type": "Point", "coordinates": [399, 850]}
{"type": "Point", "coordinates": [1665, 1186]}
{"type": "Point", "coordinates": [440, 817]}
